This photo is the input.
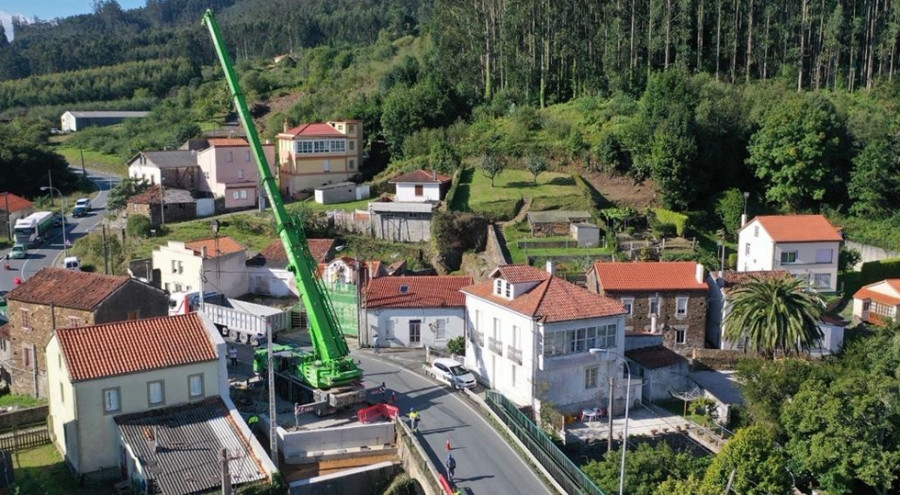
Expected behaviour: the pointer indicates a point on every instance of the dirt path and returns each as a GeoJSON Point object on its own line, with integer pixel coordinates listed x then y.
{"type": "Point", "coordinates": [523, 211]}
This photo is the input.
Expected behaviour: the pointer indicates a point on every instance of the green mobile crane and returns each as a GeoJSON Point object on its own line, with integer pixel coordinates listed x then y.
{"type": "Point", "coordinates": [330, 364]}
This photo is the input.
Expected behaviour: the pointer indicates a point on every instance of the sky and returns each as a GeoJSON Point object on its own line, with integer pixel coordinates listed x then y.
{"type": "Point", "coordinates": [50, 9]}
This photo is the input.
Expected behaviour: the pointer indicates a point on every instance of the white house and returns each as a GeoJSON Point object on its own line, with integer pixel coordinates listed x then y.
{"type": "Point", "coordinates": [106, 381]}
{"type": "Point", "coordinates": [805, 245]}
{"type": "Point", "coordinates": [341, 271]}
{"type": "Point", "coordinates": [529, 333]}
{"type": "Point", "coordinates": [268, 273]}
{"type": "Point", "coordinates": [172, 168]}
{"type": "Point", "coordinates": [419, 186]}
{"type": "Point", "coordinates": [877, 303]}
{"type": "Point", "coordinates": [222, 260]}
{"type": "Point", "coordinates": [424, 311]}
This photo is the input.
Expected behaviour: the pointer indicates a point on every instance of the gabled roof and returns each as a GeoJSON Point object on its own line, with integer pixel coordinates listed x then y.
{"type": "Point", "coordinates": [798, 228]}
{"type": "Point", "coordinates": [226, 246]}
{"type": "Point", "coordinates": [891, 284]}
{"type": "Point", "coordinates": [656, 357]}
{"type": "Point", "coordinates": [551, 300]}
{"type": "Point", "coordinates": [172, 196]}
{"type": "Point", "coordinates": [649, 276]}
{"type": "Point", "coordinates": [224, 142]}
{"type": "Point", "coordinates": [67, 288]}
{"type": "Point", "coordinates": [417, 292]}
{"type": "Point", "coordinates": [421, 176]}
{"type": "Point", "coordinates": [16, 203]}
{"type": "Point", "coordinates": [314, 130]}
{"type": "Point", "coordinates": [170, 159]}
{"type": "Point", "coordinates": [135, 346]}
{"type": "Point", "coordinates": [274, 256]}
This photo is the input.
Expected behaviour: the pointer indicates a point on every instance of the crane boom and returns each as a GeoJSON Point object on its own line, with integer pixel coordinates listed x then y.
{"type": "Point", "coordinates": [330, 363]}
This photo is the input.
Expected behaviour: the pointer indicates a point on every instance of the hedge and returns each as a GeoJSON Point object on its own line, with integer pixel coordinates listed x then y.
{"type": "Point", "coordinates": [448, 199]}
{"type": "Point", "coordinates": [679, 220]}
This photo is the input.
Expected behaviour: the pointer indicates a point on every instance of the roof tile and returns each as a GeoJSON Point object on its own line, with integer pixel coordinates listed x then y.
{"type": "Point", "coordinates": [868, 293]}
{"type": "Point", "coordinates": [134, 346]}
{"type": "Point", "coordinates": [274, 255]}
{"type": "Point", "coordinates": [67, 288]}
{"type": "Point", "coordinates": [315, 129]}
{"type": "Point", "coordinates": [798, 228]}
{"type": "Point", "coordinates": [226, 246]}
{"type": "Point", "coordinates": [426, 176]}
{"type": "Point", "coordinates": [16, 203]}
{"type": "Point", "coordinates": [227, 142]}
{"type": "Point", "coordinates": [648, 276]}
{"type": "Point", "coordinates": [419, 292]}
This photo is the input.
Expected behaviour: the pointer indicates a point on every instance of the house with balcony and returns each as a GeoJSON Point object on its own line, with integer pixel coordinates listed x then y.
{"type": "Point", "coordinates": [669, 298]}
{"type": "Point", "coordinates": [529, 333]}
{"type": "Point", "coordinates": [228, 170]}
{"type": "Point", "coordinates": [878, 303]}
{"type": "Point", "coordinates": [421, 311]}
{"type": "Point", "coordinates": [318, 154]}
{"type": "Point", "coordinates": [53, 299]}
{"type": "Point", "coordinates": [148, 399]}
{"type": "Point", "coordinates": [807, 246]}
{"type": "Point", "coordinates": [176, 168]}
{"type": "Point", "coordinates": [222, 260]}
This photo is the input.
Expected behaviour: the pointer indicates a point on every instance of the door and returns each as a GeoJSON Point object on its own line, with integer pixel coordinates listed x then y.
{"type": "Point", "coordinates": [415, 332]}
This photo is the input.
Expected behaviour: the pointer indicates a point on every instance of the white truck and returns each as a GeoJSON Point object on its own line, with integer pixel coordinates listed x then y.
{"type": "Point", "coordinates": [239, 321]}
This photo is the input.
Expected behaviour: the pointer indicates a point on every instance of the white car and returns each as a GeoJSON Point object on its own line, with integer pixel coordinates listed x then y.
{"type": "Point", "coordinates": [83, 203]}
{"type": "Point", "coordinates": [452, 373]}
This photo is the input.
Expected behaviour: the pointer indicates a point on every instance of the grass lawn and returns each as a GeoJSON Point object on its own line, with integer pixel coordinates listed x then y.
{"type": "Point", "coordinates": [20, 400]}
{"type": "Point", "coordinates": [350, 206]}
{"type": "Point", "coordinates": [254, 232]}
{"type": "Point", "coordinates": [42, 470]}
{"type": "Point", "coordinates": [520, 232]}
{"type": "Point", "coordinates": [93, 160]}
{"type": "Point", "coordinates": [552, 191]}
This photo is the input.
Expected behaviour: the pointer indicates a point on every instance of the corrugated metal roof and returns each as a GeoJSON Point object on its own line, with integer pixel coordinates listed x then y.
{"type": "Point", "coordinates": [188, 439]}
{"type": "Point", "coordinates": [107, 113]}
{"type": "Point", "coordinates": [171, 159]}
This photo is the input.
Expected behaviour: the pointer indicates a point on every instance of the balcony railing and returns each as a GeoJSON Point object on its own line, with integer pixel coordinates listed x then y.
{"type": "Point", "coordinates": [495, 345]}
{"type": "Point", "coordinates": [479, 339]}
{"type": "Point", "coordinates": [514, 355]}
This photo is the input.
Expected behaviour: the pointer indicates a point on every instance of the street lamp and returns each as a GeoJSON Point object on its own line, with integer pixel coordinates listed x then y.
{"type": "Point", "coordinates": [358, 293]}
{"type": "Point", "coordinates": [746, 196]}
{"type": "Point", "coordinates": [65, 208]}
{"type": "Point", "coordinates": [721, 246]}
{"type": "Point", "coordinates": [596, 352]}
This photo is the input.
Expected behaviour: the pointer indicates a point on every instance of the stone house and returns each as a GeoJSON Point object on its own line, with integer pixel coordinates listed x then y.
{"type": "Point", "coordinates": [171, 168]}
{"type": "Point", "coordinates": [179, 205]}
{"type": "Point", "coordinates": [55, 298]}
{"type": "Point", "coordinates": [669, 297]}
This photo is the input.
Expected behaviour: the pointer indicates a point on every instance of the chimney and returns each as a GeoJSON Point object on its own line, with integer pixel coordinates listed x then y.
{"type": "Point", "coordinates": [286, 126]}
{"type": "Point", "coordinates": [699, 273]}
{"type": "Point", "coordinates": [202, 252]}
{"type": "Point", "coordinates": [551, 267]}
{"type": "Point", "coordinates": [743, 219]}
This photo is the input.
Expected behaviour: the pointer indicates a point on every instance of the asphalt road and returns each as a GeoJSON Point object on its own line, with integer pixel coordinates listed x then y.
{"type": "Point", "coordinates": [485, 463]}
{"type": "Point", "coordinates": [46, 255]}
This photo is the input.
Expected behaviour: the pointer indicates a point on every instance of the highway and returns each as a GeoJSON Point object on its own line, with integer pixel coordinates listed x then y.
{"type": "Point", "coordinates": [48, 253]}
{"type": "Point", "coordinates": [485, 463]}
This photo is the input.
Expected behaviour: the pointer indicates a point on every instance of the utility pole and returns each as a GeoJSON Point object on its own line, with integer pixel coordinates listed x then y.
{"type": "Point", "coordinates": [609, 412]}
{"type": "Point", "coordinates": [8, 226]}
{"type": "Point", "coordinates": [226, 476]}
{"type": "Point", "coordinates": [105, 251]}
{"type": "Point", "coordinates": [730, 481]}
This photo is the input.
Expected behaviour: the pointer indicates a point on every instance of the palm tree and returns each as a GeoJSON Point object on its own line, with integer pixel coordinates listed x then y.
{"type": "Point", "coordinates": [773, 314]}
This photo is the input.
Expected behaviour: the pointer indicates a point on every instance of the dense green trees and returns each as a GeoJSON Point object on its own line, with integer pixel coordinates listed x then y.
{"type": "Point", "coordinates": [645, 469]}
{"type": "Point", "coordinates": [25, 161]}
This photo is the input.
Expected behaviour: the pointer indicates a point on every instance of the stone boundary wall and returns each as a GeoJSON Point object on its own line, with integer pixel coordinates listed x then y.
{"type": "Point", "coordinates": [716, 359]}
{"type": "Point", "coordinates": [28, 416]}
{"type": "Point", "coordinates": [493, 248]}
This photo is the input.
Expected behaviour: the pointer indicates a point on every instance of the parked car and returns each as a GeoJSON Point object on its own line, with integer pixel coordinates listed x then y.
{"type": "Point", "coordinates": [18, 252]}
{"type": "Point", "coordinates": [452, 373]}
{"type": "Point", "coordinates": [72, 263]}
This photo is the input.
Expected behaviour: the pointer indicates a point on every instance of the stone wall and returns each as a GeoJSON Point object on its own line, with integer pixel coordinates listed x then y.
{"type": "Point", "coordinates": [694, 323]}
{"type": "Point", "coordinates": [32, 415]}
{"type": "Point", "coordinates": [493, 248]}
{"type": "Point", "coordinates": [716, 359]}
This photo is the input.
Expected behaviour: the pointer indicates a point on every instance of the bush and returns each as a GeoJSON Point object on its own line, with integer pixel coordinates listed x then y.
{"type": "Point", "coordinates": [665, 230]}
{"type": "Point", "coordinates": [138, 226]}
{"type": "Point", "coordinates": [457, 346]}
{"type": "Point", "coordinates": [679, 220]}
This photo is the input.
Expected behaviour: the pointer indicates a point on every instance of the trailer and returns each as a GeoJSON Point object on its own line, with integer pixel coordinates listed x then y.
{"type": "Point", "coordinates": [238, 321]}
{"type": "Point", "coordinates": [31, 230]}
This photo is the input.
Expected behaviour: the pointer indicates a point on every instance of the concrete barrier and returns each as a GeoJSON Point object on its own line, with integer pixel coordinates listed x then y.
{"type": "Point", "coordinates": [305, 446]}
{"type": "Point", "coordinates": [357, 480]}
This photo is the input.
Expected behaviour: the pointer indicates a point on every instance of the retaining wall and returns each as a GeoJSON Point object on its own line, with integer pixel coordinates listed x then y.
{"type": "Point", "coordinates": [299, 447]}
{"type": "Point", "coordinates": [28, 416]}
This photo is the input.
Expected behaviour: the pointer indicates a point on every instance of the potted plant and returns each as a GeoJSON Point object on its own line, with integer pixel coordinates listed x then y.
{"type": "Point", "coordinates": [654, 431]}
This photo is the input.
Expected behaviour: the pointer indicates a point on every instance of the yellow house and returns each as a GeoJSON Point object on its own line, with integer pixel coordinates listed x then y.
{"type": "Point", "coordinates": [117, 392]}
{"type": "Point", "coordinates": [313, 155]}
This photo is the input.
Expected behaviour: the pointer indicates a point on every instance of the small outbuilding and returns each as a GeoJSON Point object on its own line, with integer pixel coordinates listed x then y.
{"type": "Point", "coordinates": [555, 222]}
{"type": "Point", "coordinates": [74, 120]}
{"type": "Point", "coordinates": [342, 192]}
{"type": "Point", "coordinates": [586, 234]}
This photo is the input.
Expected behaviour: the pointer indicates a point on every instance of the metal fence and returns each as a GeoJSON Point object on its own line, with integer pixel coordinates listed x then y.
{"type": "Point", "coordinates": [343, 300]}
{"type": "Point", "coordinates": [564, 471]}
{"type": "Point", "coordinates": [25, 439]}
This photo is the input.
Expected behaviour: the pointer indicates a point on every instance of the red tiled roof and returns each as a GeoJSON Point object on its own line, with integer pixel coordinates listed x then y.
{"type": "Point", "coordinates": [867, 292]}
{"type": "Point", "coordinates": [16, 203]}
{"type": "Point", "coordinates": [152, 196]}
{"type": "Point", "coordinates": [274, 254]}
{"type": "Point", "coordinates": [134, 346]}
{"type": "Point", "coordinates": [648, 276]}
{"type": "Point", "coordinates": [520, 274]}
{"type": "Point", "coordinates": [655, 357]}
{"type": "Point", "coordinates": [227, 246]}
{"type": "Point", "coordinates": [317, 129]}
{"type": "Point", "coordinates": [552, 299]}
{"type": "Point", "coordinates": [419, 292]}
{"type": "Point", "coordinates": [67, 288]}
{"type": "Point", "coordinates": [798, 228]}
{"type": "Point", "coordinates": [426, 176]}
{"type": "Point", "coordinates": [227, 142]}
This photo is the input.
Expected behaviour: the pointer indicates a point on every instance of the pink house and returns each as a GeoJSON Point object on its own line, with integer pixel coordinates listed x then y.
{"type": "Point", "coordinates": [227, 169]}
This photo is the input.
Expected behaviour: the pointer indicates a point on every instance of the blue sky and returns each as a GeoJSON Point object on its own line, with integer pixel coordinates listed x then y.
{"type": "Point", "coordinates": [51, 9]}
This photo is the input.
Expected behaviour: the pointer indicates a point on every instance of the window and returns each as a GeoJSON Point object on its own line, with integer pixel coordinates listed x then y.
{"type": "Point", "coordinates": [516, 342]}
{"type": "Point", "coordinates": [788, 257]}
{"type": "Point", "coordinates": [352, 164]}
{"type": "Point", "coordinates": [304, 147]}
{"type": "Point", "coordinates": [629, 305]}
{"type": "Point", "coordinates": [590, 377]}
{"type": "Point", "coordinates": [512, 375]}
{"type": "Point", "coordinates": [240, 173]}
{"type": "Point", "coordinates": [74, 321]}
{"type": "Point", "coordinates": [352, 145]}
{"type": "Point", "coordinates": [3, 346]}
{"type": "Point", "coordinates": [866, 305]}
{"type": "Point", "coordinates": [26, 319]}
{"type": "Point", "coordinates": [62, 393]}
{"type": "Point", "coordinates": [680, 335]}
{"type": "Point", "coordinates": [654, 306]}
{"type": "Point", "coordinates": [243, 194]}
{"type": "Point", "coordinates": [156, 394]}
{"type": "Point", "coordinates": [326, 166]}
{"type": "Point", "coordinates": [319, 147]}
{"type": "Point", "coordinates": [681, 307]}
{"type": "Point", "coordinates": [822, 280]}
{"type": "Point", "coordinates": [27, 356]}
{"type": "Point", "coordinates": [235, 194]}
{"type": "Point", "coordinates": [440, 329]}
{"type": "Point", "coordinates": [747, 248]}
{"type": "Point", "coordinates": [229, 157]}
{"type": "Point", "coordinates": [499, 287]}
{"type": "Point", "coordinates": [206, 175]}
{"type": "Point", "coordinates": [415, 331]}
{"type": "Point", "coordinates": [111, 402]}
{"type": "Point", "coordinates": [824, 255]}
{"type": "Point", "coordinates": [606, 336]}
{"type": "Point", "coordinates": [756, 231]}
{"type": "Point", "coordinates": [420, 190]}
{"type": "Point", "coordinates": [177, 266]}
{"type": "Point", "coordinates": [477, 319]}
{"type": "Point", "coordinates": [247, 156]}
{"type": "Point", "coordinates": [508, 290]}
{"type": "Point", "coordinates": [195, 386]}
{"type": "Point", "coordinates": [339, 146]}
{"type": "Point", "coordinates": [351, 128]}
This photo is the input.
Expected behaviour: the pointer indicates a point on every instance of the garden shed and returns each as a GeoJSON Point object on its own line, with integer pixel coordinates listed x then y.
{"type": "Point", "coordinates": [587, 234]}
{"type": "Point", "coordinates": [555, 222]}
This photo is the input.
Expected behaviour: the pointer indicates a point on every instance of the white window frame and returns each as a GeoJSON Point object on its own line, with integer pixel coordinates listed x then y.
{"type": "Point", "coordinates": [112, 400]}
{"type": "Point", "coordinates": [440, 329]}
{"type": "Point", "coordinates": [817, 276]}
{"type": "Point", "coordinates": [243, 194]}
{"type": "Point", "coordinates": [756, 231]}
{"type": "Point", "coordinates": [512, 375]}
{"type": "Point", "coordinates": [352, 164]}
{"type": "Point", "coordinates": [247, 156]}
{"type": "Point", "coordinates": [747, 248]}
{"type": "Point", "coordinates": [680, 335]}
{"type": "Point", "coordinates": [192, 393]}
{"type": "Point", "coordinates": [628, 302]}
{"type": "Point", "coordinates": [591, 377]}
{"type": "Point", "coordinates": [681, 312]}
{"type": "Point", "coordinates": [326, 165]}
{"type": "Point", "coordinates": [161, 399]}
{"type": "Point", "coordinates": [240, 173]}
{"type": "Point", "coordinates": [651, 301]}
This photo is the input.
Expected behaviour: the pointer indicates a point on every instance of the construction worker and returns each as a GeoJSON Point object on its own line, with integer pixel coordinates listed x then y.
{"type": "Point", "coordinates": [451, 466]}
{"type": "Point", "coordinates": [232, 356]}
{"type": "Point", "coordinates": [413, 419]}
